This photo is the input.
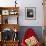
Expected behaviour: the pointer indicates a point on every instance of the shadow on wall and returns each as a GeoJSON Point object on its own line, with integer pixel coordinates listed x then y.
{"type": "Point", "coordinates": [37, 29]}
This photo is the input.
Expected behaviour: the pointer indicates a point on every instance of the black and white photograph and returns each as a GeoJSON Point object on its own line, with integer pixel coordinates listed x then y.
{"type": "Point", "coordinates": [30, 13]}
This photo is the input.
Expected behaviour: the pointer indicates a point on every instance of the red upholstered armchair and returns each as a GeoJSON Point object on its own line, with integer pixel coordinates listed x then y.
{"type": "Point", "coordinates": [30, 38]}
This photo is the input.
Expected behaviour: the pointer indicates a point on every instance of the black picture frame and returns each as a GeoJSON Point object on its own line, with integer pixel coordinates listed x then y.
{"type": "Point", "coordinates": [30, 13]}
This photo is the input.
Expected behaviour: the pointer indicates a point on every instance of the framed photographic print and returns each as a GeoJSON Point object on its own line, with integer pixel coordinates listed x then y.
{"type": "Point", "coordinates": [30, 13]}
{"type": "Point", "coordinates": [5, 12]}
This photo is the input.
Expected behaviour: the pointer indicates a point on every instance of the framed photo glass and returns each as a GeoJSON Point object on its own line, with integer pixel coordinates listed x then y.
{"type": "Point", "coordinates": [30, 13]}
{"type": "Point", "coordinates": [5, 12]}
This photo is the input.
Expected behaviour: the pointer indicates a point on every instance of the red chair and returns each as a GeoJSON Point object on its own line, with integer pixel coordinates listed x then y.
{"type": "Point", "coordinates": [29, 33]}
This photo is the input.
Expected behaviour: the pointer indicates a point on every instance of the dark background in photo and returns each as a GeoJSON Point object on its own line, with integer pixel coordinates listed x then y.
{"type": "Point", "coordinates": [30, 13]}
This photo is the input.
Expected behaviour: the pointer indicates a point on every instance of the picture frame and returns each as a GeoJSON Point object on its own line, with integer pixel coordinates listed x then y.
{"type": "Point", "coordinates": [30, 13]}
{"type": "Point", "coordinates": [5, 12]}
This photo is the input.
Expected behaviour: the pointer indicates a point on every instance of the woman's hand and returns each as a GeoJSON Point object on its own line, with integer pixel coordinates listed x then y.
{"type": "Point", "coordinates": [32, 41]}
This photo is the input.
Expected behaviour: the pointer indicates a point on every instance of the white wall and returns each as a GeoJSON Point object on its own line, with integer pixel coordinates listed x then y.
{"type": "Point", "coordinates": [39, 13]}
{"type": "Point", "coordinates": [27, 3]}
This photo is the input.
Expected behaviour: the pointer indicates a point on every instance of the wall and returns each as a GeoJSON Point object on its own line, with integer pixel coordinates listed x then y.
{"type": "Point", "coordinates": [27, 3]}
{"type": "Point", "coordinates": [39, 13]}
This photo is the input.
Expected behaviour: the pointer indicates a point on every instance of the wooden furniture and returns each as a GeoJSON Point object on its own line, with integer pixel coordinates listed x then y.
{"type": "Point", "coordinates": [0, 43]}
{"type": "Point", "coordinates": [44, 6]}
{"type": "Point", "coordinates": [5, 23]}
{"type": "Point", "coordinates": [10, 43]}
{"type": "Point", "coordinates": [44, 37]}
{"type": "Point", "coordinates": [8, 11]}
